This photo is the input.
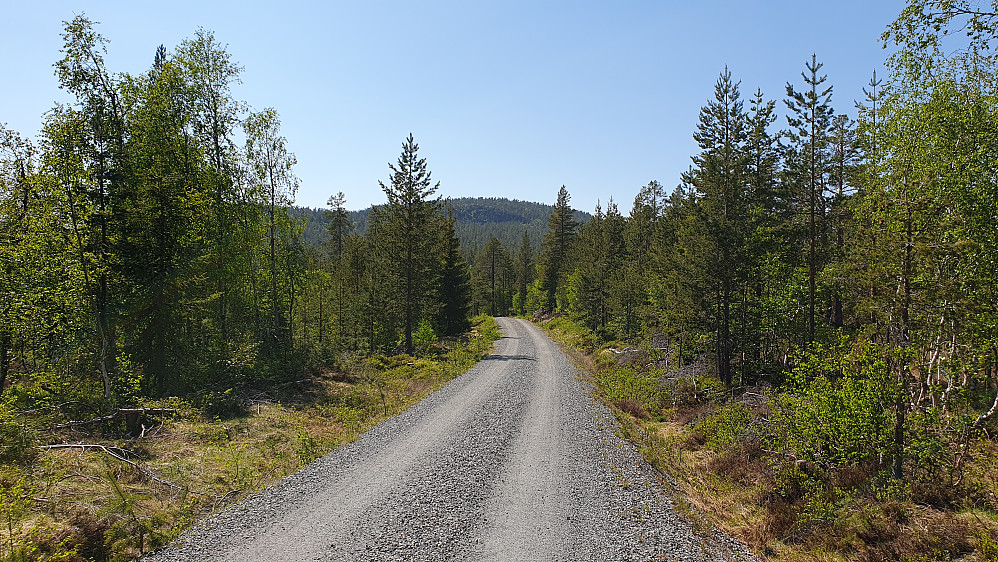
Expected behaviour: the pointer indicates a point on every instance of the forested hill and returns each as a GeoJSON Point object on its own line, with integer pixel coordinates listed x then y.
{"type": "Point", "coordinates": [478, 220]}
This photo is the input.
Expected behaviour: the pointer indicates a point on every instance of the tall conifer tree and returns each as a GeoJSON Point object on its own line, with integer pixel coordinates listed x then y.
{"type": "Point", "coordinates": [408, 232]}
{"type": "Point", "coordinates": [557, 243]}
{"type": "Point", "coordinates": [719, 177]}
{"type": "Point", "coordinates": [810, 123]}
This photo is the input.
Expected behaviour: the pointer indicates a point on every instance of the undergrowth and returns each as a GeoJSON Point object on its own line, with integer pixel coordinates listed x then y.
{"type": "Point", "coordinates": [93, 492]}
{"type": "Point", "coordinates": [798, 471]}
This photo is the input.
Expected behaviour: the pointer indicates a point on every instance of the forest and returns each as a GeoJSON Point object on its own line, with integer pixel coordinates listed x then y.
{"type": "Point", "coordinates": [476, 221]}
{"type": "Point", "coordinates": [843, 270]}
{"type": "Point", "coordinates": [812, 309]}
{"type": "Point", "coordinates": [146, 253]}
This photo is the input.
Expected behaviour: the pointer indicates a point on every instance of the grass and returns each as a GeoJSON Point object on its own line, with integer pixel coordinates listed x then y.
{"type": "Point", "coordinates": [119, 496]}
{"type": "Point", "coordinates": [709, 444]}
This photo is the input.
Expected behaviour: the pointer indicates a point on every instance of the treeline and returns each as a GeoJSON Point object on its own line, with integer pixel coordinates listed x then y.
{"type": "Point", "coordinates": [850, 263]}
{"type": "Point", "coordinates": [147, 246]}
{"type": "Point", "coordinates": [476, 221]}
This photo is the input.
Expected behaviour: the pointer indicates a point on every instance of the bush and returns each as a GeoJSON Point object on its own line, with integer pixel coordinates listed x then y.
{"type": "Point", "coordinates": [721, 428]}
{"type": "Point", "coordinates": [835, 410]}
{"type": "Point", "coordinates": [224, 405]}
{"type": "Point", "coordinates": [626, 385]}
{"type": "Point", "coordinates": [423, 337]}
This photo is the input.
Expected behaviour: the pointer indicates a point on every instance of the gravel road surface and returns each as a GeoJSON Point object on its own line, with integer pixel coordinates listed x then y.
{"type": "Point", "coordinates": [511, 461]}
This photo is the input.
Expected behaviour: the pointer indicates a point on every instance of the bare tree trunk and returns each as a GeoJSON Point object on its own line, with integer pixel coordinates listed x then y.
{"type": "Point", "coordinates": [4, 359]}
{"type": "Point", "coordinates": [408, 299]}
{"type": "Point", "coordinates": [905, 341]}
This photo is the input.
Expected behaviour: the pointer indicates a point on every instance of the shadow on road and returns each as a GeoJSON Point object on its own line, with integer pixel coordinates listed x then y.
{"type": "Point", "coordinates": [510, 358]}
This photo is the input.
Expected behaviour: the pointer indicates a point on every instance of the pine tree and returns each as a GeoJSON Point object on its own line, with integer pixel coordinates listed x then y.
{"type": "Point", "coordinates": [762, 311]}
{"type": "Point", "coordinates": [719, 180]}
{"type": "Point", "coordinates": [339, 225]}
{"type": "Point", "coordinates": [648, 207]}
{"type": "Point", "coordinates": [557, 244]}
{"type": "Point", "coordinates": [810, 123]}
{"type": "Point", "coordinates": [494, 273]}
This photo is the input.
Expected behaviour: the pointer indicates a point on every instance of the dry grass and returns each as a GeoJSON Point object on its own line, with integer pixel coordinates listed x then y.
{"type": "Point", "coordinates": [632, 407]}
{"type": "Point", "coordinates": [123, 496]}
{"type": "Point", "coordinates": [734, 489]}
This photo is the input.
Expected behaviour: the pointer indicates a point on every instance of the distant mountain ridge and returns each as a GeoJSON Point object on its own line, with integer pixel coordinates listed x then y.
{"type": "Point", "coordinates": [478, 219]}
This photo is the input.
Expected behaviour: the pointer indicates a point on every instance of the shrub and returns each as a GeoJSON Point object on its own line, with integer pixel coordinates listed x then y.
{"type": "Point", "coordinates": [15, 499]}
{"type": "Point", "coordinates": [424, 336]}
{"type": "Point", "coordinates": [835, 409]}
{"type": "Point", "coordinates": [624, 384]}
{"type": "Point", "coordinates": [224, 405]}
{"type": "Point", "coordinates": [16, 441]}
{"type": "Point", "coordinates": [722, 427]}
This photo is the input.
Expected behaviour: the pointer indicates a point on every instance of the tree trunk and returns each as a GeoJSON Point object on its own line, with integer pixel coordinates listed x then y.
{"type": "Point", "coordinates": [4, 359]}
{"type": "Point", "coordinates": [408, 298]}
{"type": "Point", "coordinates": [901, 407]}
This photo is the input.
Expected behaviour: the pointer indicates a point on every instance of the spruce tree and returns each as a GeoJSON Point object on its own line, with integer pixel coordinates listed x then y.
{"type": "Point", "coordinates": [455, 283]}
{"type": "Point", "coordinates": [408, 233]}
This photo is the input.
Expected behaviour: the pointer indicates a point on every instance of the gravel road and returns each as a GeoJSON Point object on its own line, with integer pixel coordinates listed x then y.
{"type": "Point", "coordinates": [511, 461]}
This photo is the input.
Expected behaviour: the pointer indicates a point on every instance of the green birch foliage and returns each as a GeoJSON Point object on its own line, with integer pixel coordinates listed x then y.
{"type": "Point", "coordinates": [157, 218]}
{"type": "Point", "coordinates": [936, 188]}
{"type": "Point", "coordinates": [272, 178]}
{"type": "Point", "coordinates": [834, 410]}
{"type": "Point", "coordinates": [97, 121]}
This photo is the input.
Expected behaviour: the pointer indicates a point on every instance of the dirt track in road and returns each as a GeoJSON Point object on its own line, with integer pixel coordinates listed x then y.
{"type": "Point", "coordinates": [511, 461]}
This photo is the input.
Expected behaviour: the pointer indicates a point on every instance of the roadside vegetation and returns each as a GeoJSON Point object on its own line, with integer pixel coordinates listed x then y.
{"type": "Point", "coordinates": [803, 333]}
{"type": "Point", "coordinates": [92, 491]}
{"type": "Point", "coordinates": [168, 341]}
{"type": "Point", "coordinates": [800, 469]}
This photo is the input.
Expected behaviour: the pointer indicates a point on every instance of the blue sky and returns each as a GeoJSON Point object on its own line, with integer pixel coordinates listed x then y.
{"type": "Point", "coordinates": [508, 99]}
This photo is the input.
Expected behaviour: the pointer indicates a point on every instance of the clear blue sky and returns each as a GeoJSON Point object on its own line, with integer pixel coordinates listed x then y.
{"type": "Point", "coordinates": [509, 99]}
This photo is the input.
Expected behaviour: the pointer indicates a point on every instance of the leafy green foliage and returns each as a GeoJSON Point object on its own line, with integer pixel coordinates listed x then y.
{"type": "Point", "coordinates": [15, 499]}
{"type": "Point", "coordinates": [835, 408]}
{"type": "Point", "coordinates": [724, 425]}
{"type": "Point", "coordinates": [424, 336]}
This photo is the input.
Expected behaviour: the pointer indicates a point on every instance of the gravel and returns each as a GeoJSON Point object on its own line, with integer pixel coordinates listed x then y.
{"type": "Point", "coordinates": [511, 461]}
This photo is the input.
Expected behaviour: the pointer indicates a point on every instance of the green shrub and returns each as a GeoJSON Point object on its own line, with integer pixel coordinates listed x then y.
{"type": "Point", "coordinates": [987, 545]}
{"type": "Point", "coordinates": [622, 384]}
{"type": "Point", "coordinates": [225, 404]}
{"type": "Point", "coordinates": [836, 408]}
{"type": "Point", "coordinates": [16, 441]}
{"type": "Point", "coordinates": [15, 499]}
{"type": "Point", "coordinates": [306, 447]}
{"type": "Point", "coordinates": [724, 425]}
{"type": "Point", "coordinates": [424, 336]}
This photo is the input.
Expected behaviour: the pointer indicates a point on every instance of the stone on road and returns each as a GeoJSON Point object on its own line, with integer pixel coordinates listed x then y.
{"type": "Point", "coordinates": [512, 460]}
